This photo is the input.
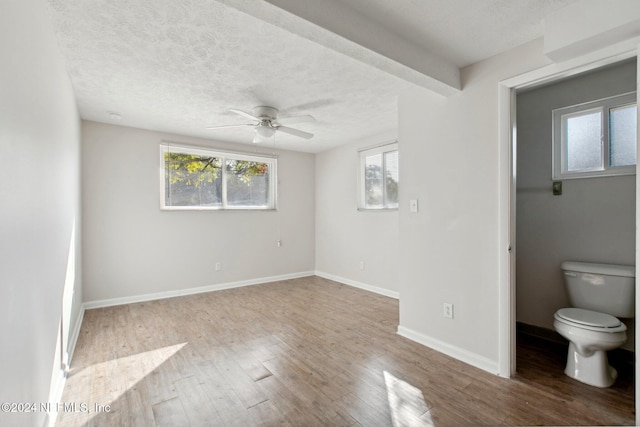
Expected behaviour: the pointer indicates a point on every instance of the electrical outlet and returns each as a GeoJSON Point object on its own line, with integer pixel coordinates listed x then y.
{"type": "Point", "coordinates": [278, 243]}
{"type": "Point", "coordinates": [447, 310]}
{"type": "Point", "coordinates": [361, 265]}
{"type": "Point", "coordinates": [218, 266]}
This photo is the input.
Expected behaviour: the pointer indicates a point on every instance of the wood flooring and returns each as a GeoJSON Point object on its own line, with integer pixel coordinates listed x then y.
{"type": "Point", "coordinates": [306, 352]}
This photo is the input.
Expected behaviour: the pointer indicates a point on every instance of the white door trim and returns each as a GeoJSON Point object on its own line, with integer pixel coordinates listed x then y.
{"type": "Point", "coordinates": [507, 176]}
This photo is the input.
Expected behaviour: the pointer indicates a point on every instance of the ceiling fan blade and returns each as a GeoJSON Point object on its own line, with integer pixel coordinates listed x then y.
{"type": "Point", "coordinates": [295, 132]}
{"type": "Point", "coordinates": [245, 114]}
{"type": "Point", "coordinates": [296, 119]}
{"type": "Point", "coordinates": [230, 126]}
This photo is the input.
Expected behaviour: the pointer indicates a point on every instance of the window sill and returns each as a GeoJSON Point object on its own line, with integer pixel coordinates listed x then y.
{"type": "Point", "coordinates": [598, 174]}
{"type": "Point", "coordinates": [199, 209]}
{"type": "Point", "coordinates": [377, 209]}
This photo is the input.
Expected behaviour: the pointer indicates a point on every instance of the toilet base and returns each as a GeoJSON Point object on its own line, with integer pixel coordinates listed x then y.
{"type": "Point", "coordinates": [593, 370]}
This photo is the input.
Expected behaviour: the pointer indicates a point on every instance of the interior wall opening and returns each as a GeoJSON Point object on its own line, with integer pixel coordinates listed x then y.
{"type": "Point", "coordinates": [591, 220]}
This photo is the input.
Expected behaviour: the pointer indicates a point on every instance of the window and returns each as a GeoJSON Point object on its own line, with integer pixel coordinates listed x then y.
{"type": "Point", "coordinates": [595, 139]}
{"type": "Point", "coordinates": [378, 177]}
{"type": "Point", "coordinates": [201, 178]}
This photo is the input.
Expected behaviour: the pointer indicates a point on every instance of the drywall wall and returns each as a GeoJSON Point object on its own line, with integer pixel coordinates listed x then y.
{"type": "Point", "coordinates": [592, 221]}
{"type": "Point", "coordinates": [39, 189]}
{"type": "Point", "coordinates": [450, 158]}
{"type": "Point", "coordinates": [345, 237]}
{"type": "Point", "coordinates": [132, 248]}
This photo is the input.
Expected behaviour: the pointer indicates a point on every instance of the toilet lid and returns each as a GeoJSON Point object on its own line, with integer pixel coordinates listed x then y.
{"type": "Point", "coordinates": [588, 318]}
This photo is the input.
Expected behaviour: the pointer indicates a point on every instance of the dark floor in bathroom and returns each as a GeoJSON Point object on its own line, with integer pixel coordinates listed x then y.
{"type": "Point", "coordinates": [541, 362]}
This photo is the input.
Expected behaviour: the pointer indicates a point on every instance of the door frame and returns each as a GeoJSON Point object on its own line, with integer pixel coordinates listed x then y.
{"type": "Point", "coordinates": [507, 189]}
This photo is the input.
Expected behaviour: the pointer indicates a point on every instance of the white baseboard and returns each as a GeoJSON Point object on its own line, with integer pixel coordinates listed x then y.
{"type": "Point", "coordinates": [190, 291]}
{"type": "Point", "coordinates": [73, 339]}
{"type": "Point", "coordinates": [60, 381]}
{"type": "Point", "coordinates": [360, 285]}
{"type": "Point", "coordinates": [465, 356]}
{"type": "Point", "coordinates": [55, 398]}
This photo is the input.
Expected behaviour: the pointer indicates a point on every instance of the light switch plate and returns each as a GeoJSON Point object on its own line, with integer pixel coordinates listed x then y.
{"type": "Point", "coordinates": [557, 188]}
{"type": "Point", "coordinates": [447, 310]}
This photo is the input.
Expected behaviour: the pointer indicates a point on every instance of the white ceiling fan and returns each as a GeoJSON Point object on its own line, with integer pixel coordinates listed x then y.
{"type": "Point", "coordinates": [266, 123]}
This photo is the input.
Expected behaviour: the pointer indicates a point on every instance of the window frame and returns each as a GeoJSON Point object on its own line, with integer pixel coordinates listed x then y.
{"type": "Point", "coordinates": [559, 166]}
{"type": "Point", "coordinates": [361, 190]}
{"type": "Point", "coordinates": [224, 155]}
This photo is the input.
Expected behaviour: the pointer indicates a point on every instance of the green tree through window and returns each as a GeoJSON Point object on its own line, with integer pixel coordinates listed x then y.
{"type": "Point", "coordinates": [379, 177]}
{"type": "Point", "coordinates": [192, 180]}
{"type": "Point", "coordinates": [196, 179]}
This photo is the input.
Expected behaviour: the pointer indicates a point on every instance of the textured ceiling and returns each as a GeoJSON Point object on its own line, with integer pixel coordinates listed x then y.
{"type": "Point", "coordinates": [177, 66]}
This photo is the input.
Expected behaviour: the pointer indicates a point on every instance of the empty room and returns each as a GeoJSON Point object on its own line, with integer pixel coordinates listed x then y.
{"type": "Point", "coordinates": [347, 212]}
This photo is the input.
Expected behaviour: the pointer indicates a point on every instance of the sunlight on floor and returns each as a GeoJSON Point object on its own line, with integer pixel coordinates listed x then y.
{"type": "Point", "coordinates": [104, 389]}
{"type": "Point", "coordinates": [406, 403]}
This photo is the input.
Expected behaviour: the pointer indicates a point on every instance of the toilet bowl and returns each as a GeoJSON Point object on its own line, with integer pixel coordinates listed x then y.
{"type": "Point", "coordinates": [590, 334]}
{"type": "Point", "coordinates": [598, 293]}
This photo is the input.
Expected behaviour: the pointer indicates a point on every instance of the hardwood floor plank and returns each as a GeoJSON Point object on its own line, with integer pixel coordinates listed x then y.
{"type": "Point", "coordinates": [296, 404]}
{"type": "Point", "coordinates": [309, 352]}
{"type": "Point", "coordinates": [197, 405]}
{"type": "Point", "coordinates": [230, 410]}
{"type": "Point", "coordinates": [139, 402]}
{"type": "Point", "coordinates": [267, 414]}
{"type": "Point", "coordinates": [342, 419]}
{"type": "Point", "coordinates": [365, 412]}
{"type": "Point", "coordinates": [170, 413]}
{"type": "Point", "coordinates": [159, 383]}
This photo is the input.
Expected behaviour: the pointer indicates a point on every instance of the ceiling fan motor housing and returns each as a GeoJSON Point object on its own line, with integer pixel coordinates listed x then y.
{"type": "Point", "coordinates": [263, 112]}
{"type": "Point", "coordinates": [267, 123]}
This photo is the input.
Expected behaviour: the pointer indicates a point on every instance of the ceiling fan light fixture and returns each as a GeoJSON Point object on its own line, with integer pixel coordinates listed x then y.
{"type": "Point", "coordinates": [266, 124]}
{"type": "Point", "coordinates": [263, 134]}
{"type": "Point", "coordinates": [265, 131]}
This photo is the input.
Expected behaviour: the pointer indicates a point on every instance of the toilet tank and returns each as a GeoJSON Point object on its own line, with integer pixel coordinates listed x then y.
{"type": "Point", "coordinates": [607, 288]}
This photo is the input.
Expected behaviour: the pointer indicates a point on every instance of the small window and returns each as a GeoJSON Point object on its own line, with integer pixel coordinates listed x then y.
{"type": "Point", "coordinates": [378, 177]}
{"type": "Point", "coordinates": [201, 178]}
{"type": "Point", "coordinates": [595, 139]}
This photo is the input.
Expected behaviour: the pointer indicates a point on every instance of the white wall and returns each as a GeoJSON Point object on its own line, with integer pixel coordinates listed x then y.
{"type": "Point", "coordinates": [132, 248]}
{"type": "Point", "coordinates": [346, 236]}
{"type": "Point", "coordinates": [594, 219]}
{"type": "Point", "coordinates": [39, 189]}
{"type": "Point", "coordinates": [449, 250]}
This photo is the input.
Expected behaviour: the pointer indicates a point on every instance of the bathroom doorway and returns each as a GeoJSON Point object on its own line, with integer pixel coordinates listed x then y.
{"type": "Point", "coordinates": [591, 220]}
{"type": "Point", "coordinates": [588, 219]}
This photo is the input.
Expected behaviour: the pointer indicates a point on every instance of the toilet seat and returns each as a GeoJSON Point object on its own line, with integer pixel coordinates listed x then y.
{"type": "Point", "coordinates": [590, 320]}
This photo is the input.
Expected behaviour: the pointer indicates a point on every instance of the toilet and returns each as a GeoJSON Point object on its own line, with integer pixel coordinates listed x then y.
{"type": "Point", "coordinates": [599, 294]}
